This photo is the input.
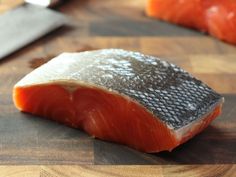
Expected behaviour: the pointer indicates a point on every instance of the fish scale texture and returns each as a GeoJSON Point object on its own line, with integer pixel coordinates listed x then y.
{"type": "Point", "coordinates": [166, 90]}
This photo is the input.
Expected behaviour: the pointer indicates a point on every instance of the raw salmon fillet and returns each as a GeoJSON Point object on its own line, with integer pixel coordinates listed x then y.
{"type": "Point", "coordinates": [121, 96]}
{"type": "Point", "coordinates": [217, 17]}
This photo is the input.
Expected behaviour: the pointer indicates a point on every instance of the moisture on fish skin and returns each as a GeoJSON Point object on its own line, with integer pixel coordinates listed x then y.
{"type": "Point", "coordinates": [166, 90]}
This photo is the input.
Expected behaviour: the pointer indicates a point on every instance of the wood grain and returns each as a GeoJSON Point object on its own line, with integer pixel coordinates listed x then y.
{"type": "Point", "coordinates": [6, 5]}
{"type": "Point", "coordinates": [45, 148]}
{"type": "Point", "coordinates": [121, 171]}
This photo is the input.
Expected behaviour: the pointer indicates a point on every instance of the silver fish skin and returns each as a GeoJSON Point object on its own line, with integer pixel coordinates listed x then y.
{"type": "Point", "coordinates": [164, 89]}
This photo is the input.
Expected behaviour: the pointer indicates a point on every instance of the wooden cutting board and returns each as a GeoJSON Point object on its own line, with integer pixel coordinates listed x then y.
{"type": "Point", "coordinates": [56, 150]}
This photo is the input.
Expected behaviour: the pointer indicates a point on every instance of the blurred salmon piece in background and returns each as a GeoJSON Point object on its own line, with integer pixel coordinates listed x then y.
{"type": "Point", "coordinates": [216, 17]}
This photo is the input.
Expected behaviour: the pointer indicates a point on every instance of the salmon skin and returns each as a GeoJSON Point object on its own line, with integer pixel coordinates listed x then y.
{"type": "Point", "coordinates": [216, 17]}
{"type": "Point", "coordinates": [121, 96]}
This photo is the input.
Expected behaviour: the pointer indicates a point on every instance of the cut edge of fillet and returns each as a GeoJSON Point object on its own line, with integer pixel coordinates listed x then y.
{"type": "Point", "coordinates": [160, 136]}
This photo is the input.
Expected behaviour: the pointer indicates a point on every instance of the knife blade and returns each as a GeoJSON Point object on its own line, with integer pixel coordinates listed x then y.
{"type": "Point", "coordinates": [25, 24]}
{"type": "Point", "coordinates": [44, 3]}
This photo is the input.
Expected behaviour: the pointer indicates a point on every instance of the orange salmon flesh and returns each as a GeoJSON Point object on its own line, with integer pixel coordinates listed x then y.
{"type": "Point", "coordinates": [117, 119]}
{"type": "Point", "coordinates": [121, 96]}
{"type": "Point", "coordinates": [216, 17]}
